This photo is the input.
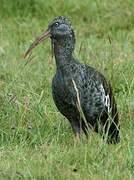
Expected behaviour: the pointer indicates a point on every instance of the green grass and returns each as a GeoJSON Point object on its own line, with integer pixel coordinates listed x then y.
{"type": "Point", "coordinates": [36, 142]}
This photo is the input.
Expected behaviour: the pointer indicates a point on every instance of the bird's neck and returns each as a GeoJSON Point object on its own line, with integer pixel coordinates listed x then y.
{"type": "Point", "coordinates": [63, 51]}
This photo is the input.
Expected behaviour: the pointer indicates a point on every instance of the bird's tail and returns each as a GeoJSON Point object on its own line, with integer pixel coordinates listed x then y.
{"type": "Point", "coordinates": [113, 133]}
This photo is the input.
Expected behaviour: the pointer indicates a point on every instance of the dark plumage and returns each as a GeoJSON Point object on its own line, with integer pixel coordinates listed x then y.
{"type": "Point", "coordinates": [80, 93]}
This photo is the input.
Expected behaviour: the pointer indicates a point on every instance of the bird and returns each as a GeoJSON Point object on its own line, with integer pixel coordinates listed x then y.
{"type": "Point", "coordinates": [80, 92]}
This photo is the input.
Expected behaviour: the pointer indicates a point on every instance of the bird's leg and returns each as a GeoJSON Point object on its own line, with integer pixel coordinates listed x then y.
{"type": "Point", "coordinates": [86, 131]}
{"type": "Point", "coordinates": [76, 128]}
{"type": "Point", "coordinates": [113, 134]}
{"type": "Point", "coordinates": [77, 132]}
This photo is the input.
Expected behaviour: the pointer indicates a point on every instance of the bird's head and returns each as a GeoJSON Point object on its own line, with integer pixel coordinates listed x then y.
{"type": "Point", "coordinates": [59, 29]}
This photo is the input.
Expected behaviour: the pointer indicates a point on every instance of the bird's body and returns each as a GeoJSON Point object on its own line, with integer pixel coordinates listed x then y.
{"type": "Point", "coordinates": [78, 87]}
{"type": "Point", "coordinates": [93, 92]}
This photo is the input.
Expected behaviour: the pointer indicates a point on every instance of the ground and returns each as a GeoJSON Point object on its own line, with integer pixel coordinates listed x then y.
{"type": "Point", "coordinates": [36, 141]}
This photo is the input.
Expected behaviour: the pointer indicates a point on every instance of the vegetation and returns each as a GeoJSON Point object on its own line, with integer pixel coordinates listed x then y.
{"type": "Point", "coordinates": [36, 142]}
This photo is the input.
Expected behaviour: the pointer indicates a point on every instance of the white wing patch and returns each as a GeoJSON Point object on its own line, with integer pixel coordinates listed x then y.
{"type": "Point", "coordinates": [105, 98]}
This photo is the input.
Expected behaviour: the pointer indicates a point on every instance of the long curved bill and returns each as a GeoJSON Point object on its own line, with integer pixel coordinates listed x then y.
{"type": "Point", "coordinates": [37, 41]}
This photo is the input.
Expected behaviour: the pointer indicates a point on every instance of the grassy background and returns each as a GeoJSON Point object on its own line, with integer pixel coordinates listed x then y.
{"type": "Point", "coordinates": [36, 142]}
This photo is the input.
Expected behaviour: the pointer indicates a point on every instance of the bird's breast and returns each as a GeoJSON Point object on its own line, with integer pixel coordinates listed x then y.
{"type": "Point", "coordinates": [64, 89]}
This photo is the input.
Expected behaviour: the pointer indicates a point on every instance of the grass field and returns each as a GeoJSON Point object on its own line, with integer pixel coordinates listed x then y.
{"type": "Point", "coordinates": [36, 142]}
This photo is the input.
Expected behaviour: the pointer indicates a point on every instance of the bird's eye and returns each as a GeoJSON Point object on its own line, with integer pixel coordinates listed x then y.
{"type": "Point", "coordinates": [56, 24]}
